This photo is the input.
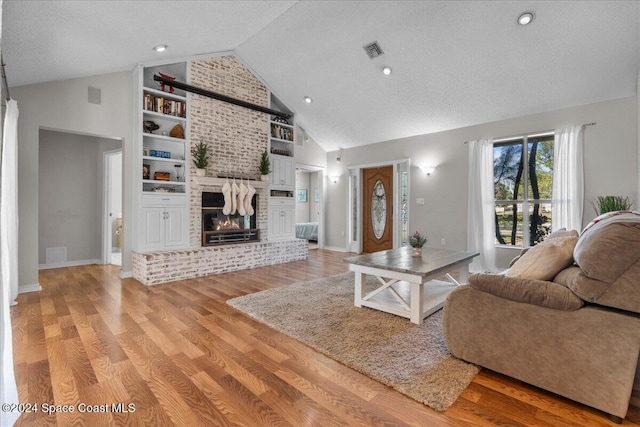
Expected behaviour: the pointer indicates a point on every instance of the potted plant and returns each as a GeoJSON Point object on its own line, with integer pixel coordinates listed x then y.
{"type": "Point", "coordinates": [604, 204]}
{"type": "Point", "coordinates": [416, 242]}
{"type": "Point", "coordinates": [264, 166]}
{"type": "Point", "coordinates": [200, 160]}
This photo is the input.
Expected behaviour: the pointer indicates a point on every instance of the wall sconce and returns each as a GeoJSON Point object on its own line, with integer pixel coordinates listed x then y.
{"type": "Point", "coordinates": [339, 155]}
{"type": "Point", "coordinates": [428, 169]}
{"type": "Point", "coordinates": [334, 178]}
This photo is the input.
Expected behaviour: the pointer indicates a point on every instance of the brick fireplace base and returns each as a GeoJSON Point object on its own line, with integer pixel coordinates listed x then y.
{"type": "Point", "coordinates": [152, 268]}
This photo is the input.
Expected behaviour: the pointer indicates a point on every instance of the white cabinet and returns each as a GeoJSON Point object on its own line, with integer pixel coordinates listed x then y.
{"type": "Point", "coordinates": [281, 218]}
{"type": "Point", "coordinates": [283, 172]}
{"type": "Point", "coordinates": [163, 227]}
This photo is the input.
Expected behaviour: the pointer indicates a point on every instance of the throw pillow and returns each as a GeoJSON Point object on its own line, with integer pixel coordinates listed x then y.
{"type": "Point", "coordinates": [545, 260]}
{"type": "Point", "coordinates": [535, 292]}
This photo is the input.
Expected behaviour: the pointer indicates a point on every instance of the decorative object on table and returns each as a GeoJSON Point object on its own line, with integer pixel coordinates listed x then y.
{"type": "Point", "coordinates": [162, 176]}
{"type": "Point", "coordinates": [264, 167]}
{"type": "Point", "coordinates": [302, 195]}
{"type": "Point", "coordinates": [162, 85]}
{"type": "Point", "coordinates": [604, 204]}
{"type": "Point", "coordinates": [177, 132]}
{"type": "Point", "coordinates": [178, 172]}
{"type": "Point", "coordinates": [146, 172]}
{"type": "Point", "coordinates": [145, 151]}
{"type": "Point", "coordinates": [149, 126]}
{"type": "Point", "coordinates": [200, 159]}
{"type": "Point", "coordinates": [279, 119]}
{"type": "Point", "coordinates": [417, 241]}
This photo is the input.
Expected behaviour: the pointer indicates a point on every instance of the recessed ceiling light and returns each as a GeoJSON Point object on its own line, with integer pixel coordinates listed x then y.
{"type": "Point", "coordinates": [387, 71]}
{"type": "Point", "coordinates": [308, 99]}
{"type": "Point", "coordinates": [160, 48]}
{"type": "Point", "coordinates": [526, 18]}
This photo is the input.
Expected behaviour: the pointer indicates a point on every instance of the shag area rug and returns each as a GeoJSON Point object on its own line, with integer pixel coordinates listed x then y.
{"type": "Point", "coordinates": [412, 359]}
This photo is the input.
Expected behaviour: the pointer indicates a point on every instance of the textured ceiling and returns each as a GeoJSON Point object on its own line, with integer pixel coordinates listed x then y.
{"type": "Point", "coordinates": [454, 64]}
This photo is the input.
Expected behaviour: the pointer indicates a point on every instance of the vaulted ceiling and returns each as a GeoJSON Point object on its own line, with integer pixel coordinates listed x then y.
{"type": "Point", "coordinates": [454, 64]}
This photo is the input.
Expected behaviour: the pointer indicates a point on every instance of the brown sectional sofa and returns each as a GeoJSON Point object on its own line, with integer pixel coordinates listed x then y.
{"type": "Point", "coordinates": [577, 335]}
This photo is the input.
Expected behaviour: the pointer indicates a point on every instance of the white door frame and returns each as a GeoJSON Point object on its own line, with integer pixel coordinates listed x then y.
{"type": "Point", "coordinates": [107, 230]}
{"type": "Point", "coordinates": [321, 185]}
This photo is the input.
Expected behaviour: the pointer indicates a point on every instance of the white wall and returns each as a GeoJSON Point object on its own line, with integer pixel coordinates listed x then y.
{"type": "Point", "coordinates": [115, 207]}
{"type": "Point", "coordinates": [70, 194]}
{"type": "Point", "coordinates": [63, 105]}
{"type": "Point", "coordinates": [610, 153]}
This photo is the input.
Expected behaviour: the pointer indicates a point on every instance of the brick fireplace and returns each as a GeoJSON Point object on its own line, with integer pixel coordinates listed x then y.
{"type": "Point", "coordinates": [236, 137]}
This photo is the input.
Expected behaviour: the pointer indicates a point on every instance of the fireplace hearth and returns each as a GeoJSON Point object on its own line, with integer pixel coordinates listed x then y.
{"type": "Point", "coordinates": [221, 229]}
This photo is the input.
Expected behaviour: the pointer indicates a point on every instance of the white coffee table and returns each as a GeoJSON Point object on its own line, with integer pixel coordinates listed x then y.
{"type": "Point", "coordinates": [407, 284]}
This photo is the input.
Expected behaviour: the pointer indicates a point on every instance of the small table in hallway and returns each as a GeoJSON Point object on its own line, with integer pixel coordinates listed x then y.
{"type": "Point", "coordinates": [408, 286]}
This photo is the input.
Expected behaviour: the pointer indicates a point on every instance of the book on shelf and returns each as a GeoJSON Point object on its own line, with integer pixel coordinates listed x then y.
{"type": "Point", "coordinates": [160, 104]}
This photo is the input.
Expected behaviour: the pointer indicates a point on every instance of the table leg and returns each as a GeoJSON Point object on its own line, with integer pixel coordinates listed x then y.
{"type": "Point", "coordinates": [417, 303]}
{"type": "Point", "coordinates": [359, 289]}
{"type": "Point", "coordinates": [464, 274]}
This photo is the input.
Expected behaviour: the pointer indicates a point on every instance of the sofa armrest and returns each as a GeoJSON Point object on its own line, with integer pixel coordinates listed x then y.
{"type": "Point", "coordinates": [536, 292]}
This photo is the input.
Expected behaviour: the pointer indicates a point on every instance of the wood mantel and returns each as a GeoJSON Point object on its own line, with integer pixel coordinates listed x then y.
{"type": "Point", "coordinates": [219, 182]}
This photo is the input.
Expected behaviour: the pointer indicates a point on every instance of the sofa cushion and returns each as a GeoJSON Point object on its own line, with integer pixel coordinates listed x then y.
{"type": "Point", "coordinates": [609, 245]}
{"type": "Point", "coordinates": [536, 292]}
{"type": "Point", "coordinates": [545, 260]}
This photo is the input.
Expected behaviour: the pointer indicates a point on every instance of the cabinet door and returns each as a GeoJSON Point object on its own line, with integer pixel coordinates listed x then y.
{"type": "Point", "coordinates": [283, 172]}
{"type": "Point", "coordinates": [281, 222]}
{"type": "Point", "coordinates": [175, 234]}
{"type": "Point", "coordinates": [153, 227]}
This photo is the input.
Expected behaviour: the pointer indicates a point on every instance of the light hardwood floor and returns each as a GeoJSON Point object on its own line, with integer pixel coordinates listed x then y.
{"type": "Point", "coordinates": [184, 357]}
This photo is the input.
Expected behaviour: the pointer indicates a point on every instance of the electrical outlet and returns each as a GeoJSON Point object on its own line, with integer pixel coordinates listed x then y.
{"type": "Point", "coordinates": [443, 242]}
{"type": "Point", "coordinates": [420, 201]}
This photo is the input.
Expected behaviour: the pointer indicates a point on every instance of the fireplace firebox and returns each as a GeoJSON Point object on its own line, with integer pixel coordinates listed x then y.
{"type": "Point", "coordinates": [221, 229]}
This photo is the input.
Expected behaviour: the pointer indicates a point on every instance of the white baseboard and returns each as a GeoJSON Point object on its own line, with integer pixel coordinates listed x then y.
{"type": "Point", "coordinates": [335, 249]}
{"type": "Point", "coordinates": [69, 264]}
{"type": "Point", "coordinates": [126, 274]}
{"type": "Point", "coordinates": [35, 287]}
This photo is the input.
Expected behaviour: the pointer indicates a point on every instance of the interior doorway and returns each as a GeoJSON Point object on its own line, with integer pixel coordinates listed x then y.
{"type": "Point", "coordinates": [377, 209]}
{"type": "Point", "coordinates": [310, 205]}
{"type": "Point", "coordinates": [72, 197]}
{"type": "Point", "coordinates": [112, 215]}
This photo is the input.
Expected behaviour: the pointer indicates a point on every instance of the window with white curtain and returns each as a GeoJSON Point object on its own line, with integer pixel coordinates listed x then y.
{"type": "Point", "coordinates": [523, 181]}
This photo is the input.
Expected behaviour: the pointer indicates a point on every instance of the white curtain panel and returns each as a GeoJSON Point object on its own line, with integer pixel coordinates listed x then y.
{"type": "Point", "coordinates": [480, 220]}
{"type": "Point", "coordinates": [8, 256]}
{"type": "Point", "coordinates": [568, 180]}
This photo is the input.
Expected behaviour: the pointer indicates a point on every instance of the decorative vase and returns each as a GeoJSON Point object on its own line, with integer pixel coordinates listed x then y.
{"type": "Point", "coordinates": [264, 178]}
{"type": "Point", "coordinates": [416, 252]}
{"type": "Point", "coordinates": [201, 172]}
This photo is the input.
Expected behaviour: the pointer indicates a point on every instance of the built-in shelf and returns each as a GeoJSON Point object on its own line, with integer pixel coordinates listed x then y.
{"type": "Point", "coordinates": [158, 92]}
{"type": "Point", "coordinates": [211, 181]}
{"type": "Point", "coordinates": [164, 116]}
{"type": "Point", "coordinates": [163, 137]}
{"type": "Point", "coordinates": [157, 181]}
{"type": "Point", "coordinates": [281, 124]}
{"type": "Point", "coordinates": [162, 159]}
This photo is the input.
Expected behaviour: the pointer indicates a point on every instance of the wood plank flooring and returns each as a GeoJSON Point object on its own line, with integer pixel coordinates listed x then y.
{"type": "Point", "coordinates": [184, 357]}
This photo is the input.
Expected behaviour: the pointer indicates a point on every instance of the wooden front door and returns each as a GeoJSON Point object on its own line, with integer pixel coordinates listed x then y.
{"type": "Point", "coordinates": [377, 209]}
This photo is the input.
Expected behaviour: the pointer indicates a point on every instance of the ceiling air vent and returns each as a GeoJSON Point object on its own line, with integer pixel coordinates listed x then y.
{"type": "Point", "coordinates": [373, 50]}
